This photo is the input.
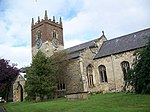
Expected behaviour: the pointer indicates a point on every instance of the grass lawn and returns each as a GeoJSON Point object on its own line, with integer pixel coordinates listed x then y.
{"type": "Point", "coordinates": [112, 102]}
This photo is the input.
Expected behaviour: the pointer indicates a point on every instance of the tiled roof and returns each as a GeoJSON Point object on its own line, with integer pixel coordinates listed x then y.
{"type": "Point", "coordinates": [81, 46]}
{"type": "Point", "coordinates": [74, 52]}
{"type": "Point", "coordinates": [73, 55]}
{"type": "Point", "coordinates": [124, 43]}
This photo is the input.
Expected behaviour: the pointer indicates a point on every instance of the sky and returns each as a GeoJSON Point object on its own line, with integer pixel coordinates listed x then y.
{"type": "Point", "coordinates": [83, 20]}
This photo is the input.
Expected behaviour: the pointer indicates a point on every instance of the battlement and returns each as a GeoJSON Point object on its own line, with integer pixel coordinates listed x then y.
{"type": "Point", "coordinates": [52, 22]}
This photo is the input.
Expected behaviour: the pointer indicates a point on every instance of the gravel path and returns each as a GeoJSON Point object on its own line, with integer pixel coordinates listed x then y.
{"type": "Point", "coordinates": [1, 109]}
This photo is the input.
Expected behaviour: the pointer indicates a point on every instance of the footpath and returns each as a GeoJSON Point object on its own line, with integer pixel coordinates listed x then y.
{"type": "Point", "coordinates": [1, 109]}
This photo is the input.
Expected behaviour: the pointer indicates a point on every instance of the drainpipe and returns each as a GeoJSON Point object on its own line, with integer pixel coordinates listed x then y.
{"type": "Point", "coordinates": [113, 71]}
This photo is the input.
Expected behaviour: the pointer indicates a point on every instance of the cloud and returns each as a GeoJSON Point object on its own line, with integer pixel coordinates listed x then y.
{"type": "Point", "coordinates": [17, 55]}
{"type": "Point", "coordinates": [83, 20]}
{"type": "Point", "coordinates": [69, 43]}
{"type": "Point", "coordinates": [114, 17]}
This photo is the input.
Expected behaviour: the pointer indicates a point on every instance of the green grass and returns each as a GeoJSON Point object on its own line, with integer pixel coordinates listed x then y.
{"type": "Point", "coordinates": [114, 102]}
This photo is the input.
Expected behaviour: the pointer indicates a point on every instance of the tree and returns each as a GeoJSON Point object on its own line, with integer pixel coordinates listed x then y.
{"type": "Point", "coordinates": [139, 75]}
{"type": "Point", "coordinates": [60, 62]}
{"type": "Point", "coordinates": [8, 74]}
{"type": "Point", "coordinates": [41, 80]}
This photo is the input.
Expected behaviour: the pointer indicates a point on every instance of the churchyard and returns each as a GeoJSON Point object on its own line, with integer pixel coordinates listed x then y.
{"type": "Point", "coordinates": [111, 102]}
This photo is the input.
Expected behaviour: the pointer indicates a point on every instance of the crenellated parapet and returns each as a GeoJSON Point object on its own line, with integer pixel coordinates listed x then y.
{"type": "Point", "coordinates": [46, 35]}
{"type": "Point", "coordinates": [52, 22]}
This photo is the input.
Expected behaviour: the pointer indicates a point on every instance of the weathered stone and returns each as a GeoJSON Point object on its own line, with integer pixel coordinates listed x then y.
{"type": "Point", "coordinates": [19, 82]}
{"type": "Point", "coordinates": [76, 96]}
{"type": "Point", "coordinates": [76, 76]}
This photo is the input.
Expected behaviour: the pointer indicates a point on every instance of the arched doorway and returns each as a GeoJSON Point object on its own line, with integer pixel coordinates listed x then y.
{"type": "Point", "coordinates": [20, 92]}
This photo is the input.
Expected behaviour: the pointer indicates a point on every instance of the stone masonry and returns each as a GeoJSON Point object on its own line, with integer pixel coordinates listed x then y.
{"type": "Point", "coordinates": [78, 78]}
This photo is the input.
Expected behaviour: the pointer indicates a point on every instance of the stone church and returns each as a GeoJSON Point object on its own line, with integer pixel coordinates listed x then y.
{"type": "Point", "coordinates": [98, 65]}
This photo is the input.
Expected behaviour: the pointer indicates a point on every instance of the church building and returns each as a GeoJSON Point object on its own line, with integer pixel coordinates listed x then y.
{"type": "Point", "coordinates": [99, 65]}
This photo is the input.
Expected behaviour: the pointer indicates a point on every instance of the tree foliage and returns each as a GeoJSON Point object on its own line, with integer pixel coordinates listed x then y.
{"type": "Point", "coordinates": [41, 80]}
{"type": "Point", "coordinates": [60, 63]}
{"type": "Point", "coordinates": [139, 75]}
{"type": "Point", "coordinates": [8, 74]}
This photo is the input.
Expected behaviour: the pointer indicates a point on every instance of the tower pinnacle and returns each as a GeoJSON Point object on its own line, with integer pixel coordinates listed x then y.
{"type": "Point", "coordinates": [54, 18]}
{"type": "Point", "coordinates": [60, 21]}
{"type": "Point", "coordinates": [32, 22]}
{"type": "Point", "coordinates": [46, 17]}
{"type": "Point", "coordinates": [38, 19]}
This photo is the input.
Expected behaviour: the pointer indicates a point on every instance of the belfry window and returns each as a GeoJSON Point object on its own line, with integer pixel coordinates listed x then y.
{"type": "Point", "coordinates": [90, 75]}
{"type": "Point", "coordinates": [54, 34]}
{"type": "Point", "coordinates": [102, 72]}
{"type": "Point", "coordinates": [61, 85]}
{"type": "Point", "coordinates": [125, 68]}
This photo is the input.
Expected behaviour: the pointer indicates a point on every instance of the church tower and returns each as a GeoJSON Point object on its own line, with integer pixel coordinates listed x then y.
{"type": "Point", "coordinates": [47, 35]}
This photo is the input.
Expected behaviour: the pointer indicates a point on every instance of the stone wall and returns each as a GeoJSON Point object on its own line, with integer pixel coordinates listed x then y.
{"type": "Point", "coordinates": [73, 77]}
{"type": "Point", "coordinates": [47, 48]}
{"type": "Point", "coordinates": [21, 81]}
{"type": "Point", "coordinates": [113, 70]}
{"type": "Point", "coordinates": [86, 59]}
{"type": "Point", "coordinates": [87, 56]}
{"type": "Point", "coordinates": [75, 96]}
{"type": "Point", "coordinates": [46, 27]}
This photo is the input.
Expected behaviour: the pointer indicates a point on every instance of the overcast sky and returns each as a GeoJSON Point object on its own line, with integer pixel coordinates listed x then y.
{"type": "Point", "coordinates": [83, 20]}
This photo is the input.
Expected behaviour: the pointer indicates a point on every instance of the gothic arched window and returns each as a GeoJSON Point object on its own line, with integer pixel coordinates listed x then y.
{"type": "Point", "coordinates": [90, 75]}
{"type": "Point", "coordinates": [61, 85]}
{"type": "Point", "coordinates": [125, 68]}
{"type": "Point", "coordinates": [54, 34]}
{"type": "Point", "coordinates": [102, 73]}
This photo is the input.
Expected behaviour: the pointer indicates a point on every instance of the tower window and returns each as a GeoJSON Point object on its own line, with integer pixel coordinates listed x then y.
{"type": "Point", "coordinates": [102, 72]}
{"type": "Point", "coordinates": [39, 33]}
{"type": "Point", "coordinates": [54, 34]}
{"type": "Point", "coordinates": [125, 68]}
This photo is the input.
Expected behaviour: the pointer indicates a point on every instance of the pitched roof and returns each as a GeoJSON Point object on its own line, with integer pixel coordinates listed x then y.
{"type": "Point", "coordinates": [74, 52]}
{"type": "Point", "coordinates": [81, 46]}
{"type": "Point", "coordinates": [73, 55]}
{"type": "Point", "coordinates": [124, 43]}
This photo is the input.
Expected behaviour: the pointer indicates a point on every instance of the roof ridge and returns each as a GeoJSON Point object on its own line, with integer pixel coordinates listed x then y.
{"type": "Point", "coordinates": [128, 34]}
{"type": "Point", "coordinates": [81, 44]}
{"type": "Point", "coordinates": [123, 43]}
